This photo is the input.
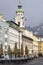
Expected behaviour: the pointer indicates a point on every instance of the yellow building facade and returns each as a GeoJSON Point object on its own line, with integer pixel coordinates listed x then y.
{"type": "Point", "coordinates": [40, 48]}
{"type": "Point", "coordinates": [0, 17]}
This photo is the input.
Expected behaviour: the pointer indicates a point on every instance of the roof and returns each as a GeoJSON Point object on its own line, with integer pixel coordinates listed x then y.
{"type": "Point", "coordinates": [12, 22]}
{"type": "Point", "coordinates": [13, 25]}
{"type": "Point", "coordinates": [28, 38]}
{"type": "Point", "coordinates": [19, 10]}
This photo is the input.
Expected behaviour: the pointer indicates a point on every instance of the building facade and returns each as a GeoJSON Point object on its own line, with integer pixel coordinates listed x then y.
{"type": "Point", "coordinates": [14, 32]}
{"type": "Point", "coordinates": [40, 48]}
{"type": "Point", "coordinates": [9, 35]}
{"type": "Point", "coordinates": [35, 45]}
{"type": "Point", "coordinates": [32, 43]}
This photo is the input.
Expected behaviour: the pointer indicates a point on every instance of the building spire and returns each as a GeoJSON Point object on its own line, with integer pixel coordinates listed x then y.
{"type": "Point", "coordinates": [19, 1]}
{"type": "Point", "coordinates": [20, 15]}
{"type": "Point", "coordinates": [19, 5]}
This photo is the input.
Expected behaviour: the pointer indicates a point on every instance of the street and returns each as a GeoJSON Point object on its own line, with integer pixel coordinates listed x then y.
{"type": "Point", "coordinates": [37, 61]}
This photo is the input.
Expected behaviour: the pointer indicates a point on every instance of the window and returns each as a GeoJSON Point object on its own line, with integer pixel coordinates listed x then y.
{"type": "Point", "coordinates": [18, 14]}
{"type": "Point", "coordinates": [21, 14]}
{"type": "Point", "coordinates": [0, 30]}
{"type": "Point", "coordinates": [6, 35]}
{"type": "Point", "coordinates": [5, 47]}
{"type": "Point", "coordinates": [6, 31]}
{"type": "Point", "coordinates": [19, 23]}
{"type": "Point", "coordinates": [5, 39]}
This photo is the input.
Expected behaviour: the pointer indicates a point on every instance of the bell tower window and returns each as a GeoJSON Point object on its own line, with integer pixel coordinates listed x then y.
{"type": "Point", "coordinates": [19, 23]}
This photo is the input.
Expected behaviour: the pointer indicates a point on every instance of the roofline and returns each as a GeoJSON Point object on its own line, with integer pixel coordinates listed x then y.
{"type": "Point", "coordinates": [28, 38]}
{"type": "Point", "coordinates": [12, 22]}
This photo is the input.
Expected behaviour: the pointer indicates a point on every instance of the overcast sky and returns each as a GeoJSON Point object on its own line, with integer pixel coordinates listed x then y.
{"type": "Point", "coordinates": [33, 10]}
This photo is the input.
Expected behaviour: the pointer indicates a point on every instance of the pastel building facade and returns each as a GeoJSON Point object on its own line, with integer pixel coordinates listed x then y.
{"type": "Point", "coordinates": [15, 32]}
{"type": "Point", "coordinates": [35, 45]}
{"type": "Point", "coordinates": [40, 48]}
{"type": "Point", "coordinates": [9, 35]}
{"type": "Point", "coordinates": [32, 43]}
{"type": "Point", "coordinates": [4, 33]}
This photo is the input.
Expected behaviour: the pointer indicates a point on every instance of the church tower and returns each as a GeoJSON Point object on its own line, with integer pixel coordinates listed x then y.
{"type": "Point", "coordinates": [20, 16]}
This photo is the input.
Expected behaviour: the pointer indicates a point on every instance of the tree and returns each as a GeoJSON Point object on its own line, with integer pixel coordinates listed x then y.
{"type": "Point", "coordinates": [15, 50]}
{"type": "Point", "coordinates": [22, 51]}
{"type": "Point", "coordinates": [9, 51]}
{"type": "Point", "coordinates": [1, 50]}
{"type": "Point", "coordinates": [26, 50]}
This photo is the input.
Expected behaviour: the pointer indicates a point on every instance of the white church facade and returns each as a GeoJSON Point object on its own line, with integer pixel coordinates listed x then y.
{"type": "Point", "coordinates": [14, 32]}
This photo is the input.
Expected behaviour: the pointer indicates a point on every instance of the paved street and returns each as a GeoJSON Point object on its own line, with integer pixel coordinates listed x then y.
{"type": "Point", "coordinates": [38, 61]}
